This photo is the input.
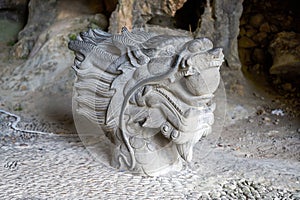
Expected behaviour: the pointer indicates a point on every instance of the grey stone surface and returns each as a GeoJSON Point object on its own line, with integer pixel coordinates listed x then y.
{"type": "Point", "coordinates": [135, 14]}
{"type": "Point", "coordinates": [149, 93]}
{"type": "Point", "coordinates": [50, 58]}
{"type": "Point", "coordinates": [53, 166]}
{"type": "Point", "coordinates": [219, 22]}
{"type": "Point", "coordinates": [285, 50]}
{"type": "Point", "coordinates": [41, 15]}
{"type": "Point", "coordinates": [12, 19]}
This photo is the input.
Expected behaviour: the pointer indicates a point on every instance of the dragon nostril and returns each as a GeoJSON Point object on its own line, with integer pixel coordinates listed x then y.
{"type": "Point", "coordinates": [175, 134]}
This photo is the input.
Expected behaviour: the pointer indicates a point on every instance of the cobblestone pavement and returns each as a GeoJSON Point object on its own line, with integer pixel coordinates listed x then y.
{"type": "Point", "coordinates": [57, 166]}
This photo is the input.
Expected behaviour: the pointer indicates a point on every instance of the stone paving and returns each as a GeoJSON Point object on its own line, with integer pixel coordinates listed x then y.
{"type": "Point", "coordinates": [56, 166]}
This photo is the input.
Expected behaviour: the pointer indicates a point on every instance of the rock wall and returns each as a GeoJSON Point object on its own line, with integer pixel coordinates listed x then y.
{"type": "Point", "coordinates": [43, 45]}
{"type": "Point", "coordinates": [132, 13]}
{"type": "Point", "coordinates": [13, 17]}
{"type": "Point", "coordinates": [219, 22]}
{"type": "Point", "coordinates": [269, 41]}
{"type": "Point", "coordinates": [13, 9]}
{"type": "Point", "coordinates": [39, 41]}
{"type": "Point", "coordinates": [41, 15]}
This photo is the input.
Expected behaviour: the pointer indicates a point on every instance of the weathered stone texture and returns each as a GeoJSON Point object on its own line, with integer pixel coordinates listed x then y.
{"type": "Point", "coordinates": [41, 15]}
{"type": "Point", "coordinates": [227, 20]}
{"type": "Point", "coordinates": [152, 104]}
{"type": "Point", "coordinates": [131, 13]}
{"type": "Point", "coordinates": [285, 50]}
{"type": "Point", "coordinates": [220, 21]}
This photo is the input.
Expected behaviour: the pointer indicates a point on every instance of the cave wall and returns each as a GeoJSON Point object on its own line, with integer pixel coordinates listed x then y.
{"type": "Point", "coordinates": [269, 42]}
{"type": "Point", "coordinates": [219, 21]}
{"type": "Point", "coordinates": [43, 14]}
{"type": "Point", "coordinates": [42, 46]}
{"type": "Point", "coordinates": [13, 17]}
{"type": "Point", "coordinates": [135, 14]}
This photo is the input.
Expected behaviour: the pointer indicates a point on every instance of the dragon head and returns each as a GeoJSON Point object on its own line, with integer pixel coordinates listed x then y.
{"type": "Point", "coordinates": [149, 93]}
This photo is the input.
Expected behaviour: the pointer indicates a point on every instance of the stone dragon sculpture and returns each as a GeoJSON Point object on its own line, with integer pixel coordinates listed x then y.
{"type": "Point", "coordinates": [151, 94]}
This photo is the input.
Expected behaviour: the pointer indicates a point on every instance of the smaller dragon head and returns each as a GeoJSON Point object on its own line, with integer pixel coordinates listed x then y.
{"type": "Point", "coordinates": [200, 64]}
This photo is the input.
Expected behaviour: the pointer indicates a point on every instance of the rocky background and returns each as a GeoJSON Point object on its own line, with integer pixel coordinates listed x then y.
{"type": "Point", "coordinates": [261, 37]}
{"type": "Point", "coordinates": [269, 43]}
{"type": "Point", "coordinates": [253, 33]}
{"type": "Point", "coordinates": [255, 156]}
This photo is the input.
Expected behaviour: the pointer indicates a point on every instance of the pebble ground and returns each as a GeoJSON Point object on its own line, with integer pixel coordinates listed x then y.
{"type": "Point", "coordinates": [52, 166]}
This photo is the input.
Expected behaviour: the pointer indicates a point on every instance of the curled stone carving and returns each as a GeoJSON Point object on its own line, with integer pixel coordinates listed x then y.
{"type": "Point", "coordinates": [151, 94]}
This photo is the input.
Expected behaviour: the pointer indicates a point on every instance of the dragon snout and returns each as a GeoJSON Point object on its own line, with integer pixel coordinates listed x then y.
{"type": "Point", "coordinates": [210, 59]}
{"type": "Point", "coordinates": [217, 53]}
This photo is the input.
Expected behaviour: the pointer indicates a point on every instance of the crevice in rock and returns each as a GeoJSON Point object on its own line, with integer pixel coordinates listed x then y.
{"type": "Point", "coordinates": [162, 20]}
{"type": "Point", "coordinates": [109, 6]}
{"type": "Point", "coordinates": [188, 16]}
{"type": "Point", "coordinates": [13, 18]}
{"type": "Point", "coordinates": [213, 10]}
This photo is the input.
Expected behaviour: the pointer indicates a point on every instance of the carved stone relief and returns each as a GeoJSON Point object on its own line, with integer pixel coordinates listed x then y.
{"type": "Point", "coordinates": [151, 94]}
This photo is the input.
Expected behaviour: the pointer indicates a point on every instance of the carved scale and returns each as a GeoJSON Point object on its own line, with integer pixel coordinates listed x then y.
{"type": "Point", "coordinates": [151, 94]}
